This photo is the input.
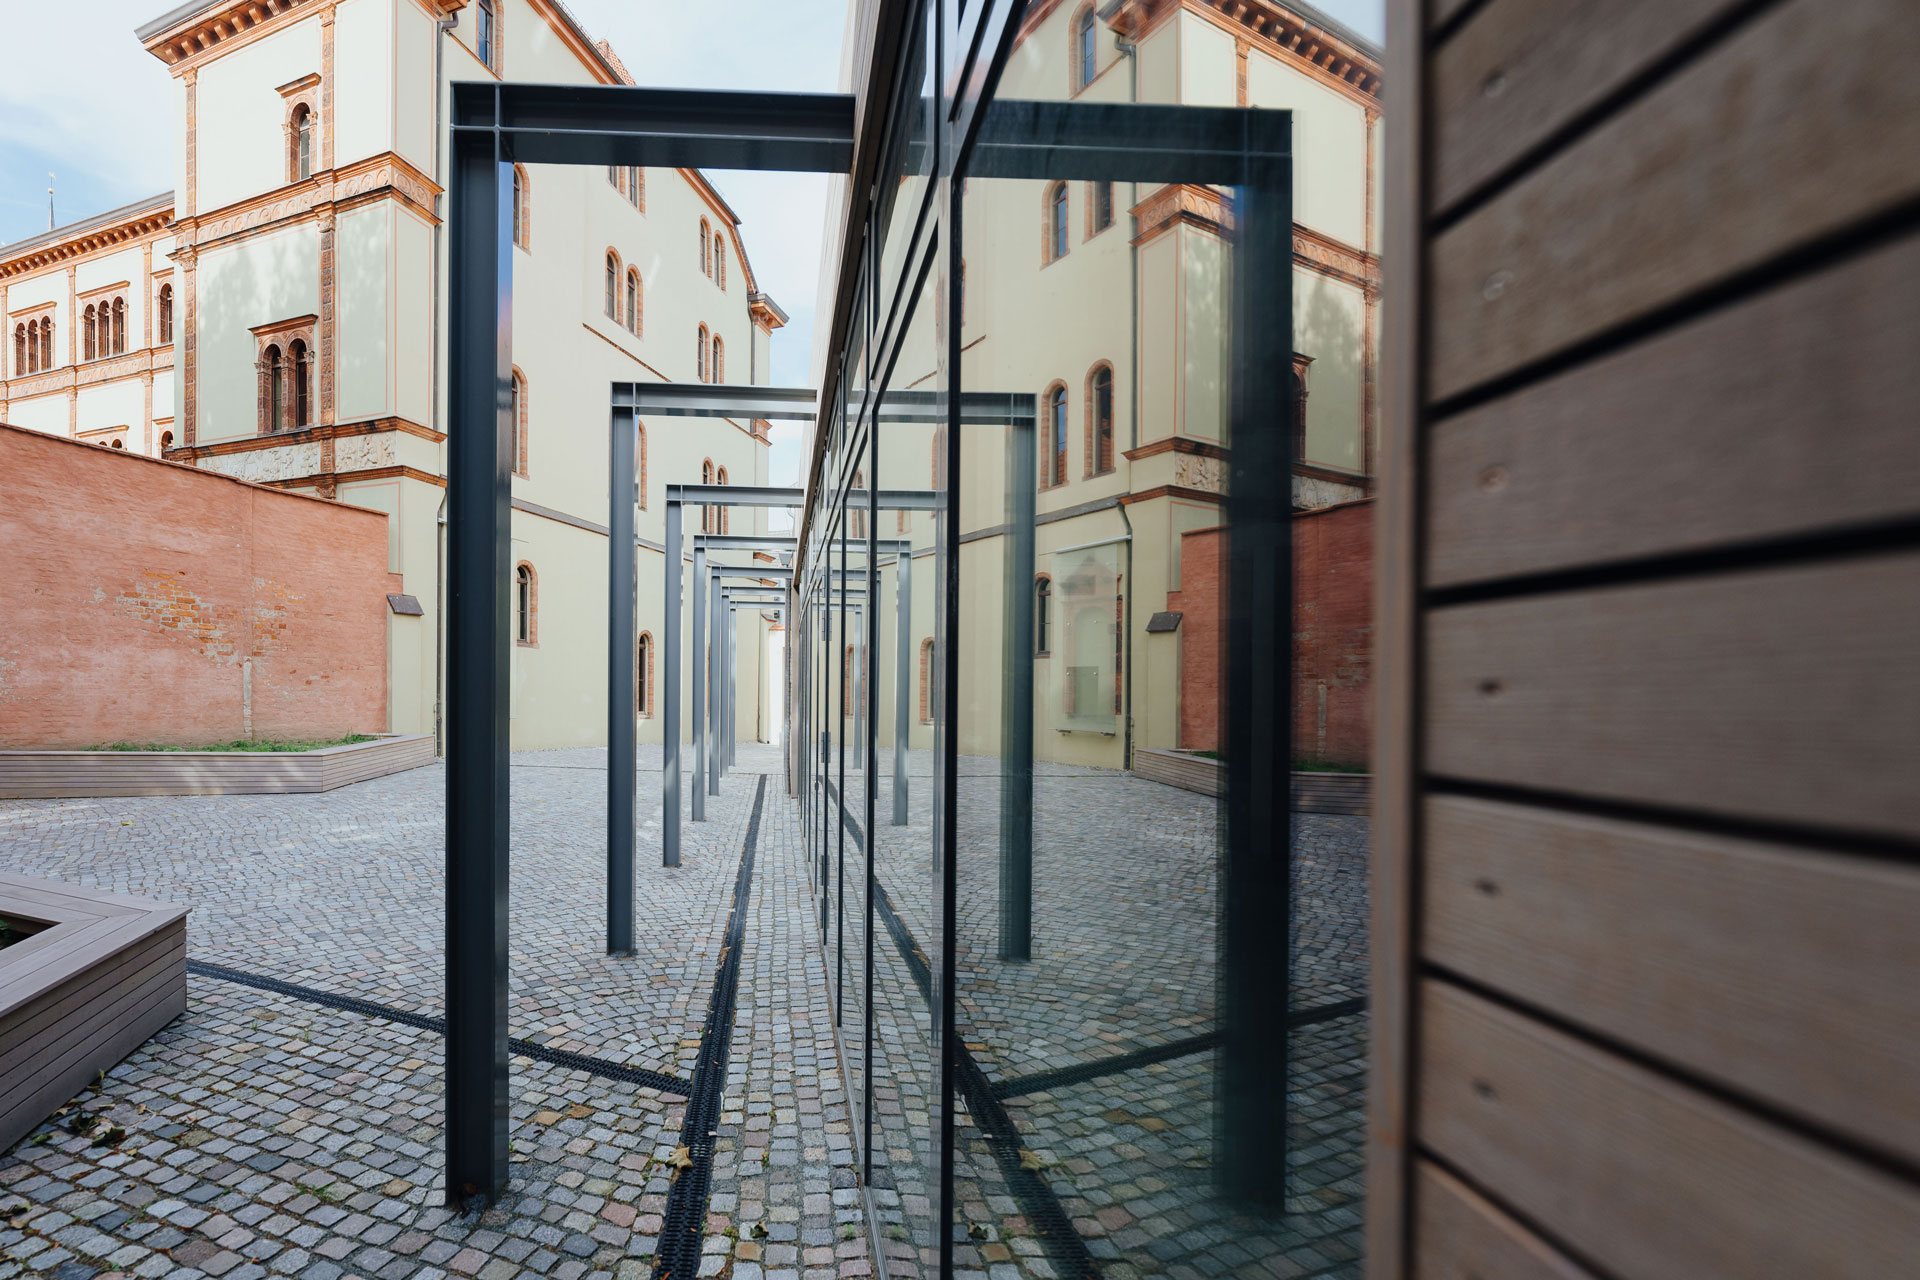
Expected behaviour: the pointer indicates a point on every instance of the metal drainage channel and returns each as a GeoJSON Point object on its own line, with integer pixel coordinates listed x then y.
{"type": "Point", "coordinates": [683, 1226]}
{"type": "Point", "coordinates": [387, 1013]}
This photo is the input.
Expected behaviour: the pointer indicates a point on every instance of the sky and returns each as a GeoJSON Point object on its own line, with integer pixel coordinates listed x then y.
{"type": "Point", "coordinates": [87, 104]}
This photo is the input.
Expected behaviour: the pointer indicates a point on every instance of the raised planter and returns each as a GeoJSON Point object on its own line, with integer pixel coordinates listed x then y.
{"type": "Point", "coordinates": [1311, 792]}
{"type": "Point", "coordinates": [105, 973]}
{"type": "Point", "coordinates": [52, 774]}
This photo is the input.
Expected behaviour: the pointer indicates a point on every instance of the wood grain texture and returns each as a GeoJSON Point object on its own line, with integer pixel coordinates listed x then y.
{"type": "Point", "coordinates": [1791, 413]}
{"type": "Point", "coordinates": [1461, 1235]}
{"type": "Point", "coordinates": [1798, 125]}
{"type": "Point", "coordinates": [1636, 1172]}
{"type": "Point", "coordinates": [1522, 69]}
{"type": "Point", "coordinates": [1789, 694]}
{"type": "Point", "coordinates": [1787, 975]}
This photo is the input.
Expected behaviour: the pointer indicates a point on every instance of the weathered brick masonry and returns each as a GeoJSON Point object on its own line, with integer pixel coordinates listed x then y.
{"type": "Point", "coordinates": [1332, 634]}
{"type": "Point", "coordinates": [151, 602]}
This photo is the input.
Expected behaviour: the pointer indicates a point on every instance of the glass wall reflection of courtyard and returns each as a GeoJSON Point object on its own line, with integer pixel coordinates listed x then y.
{"type": "Point", "coordinates": [1094, 1024]}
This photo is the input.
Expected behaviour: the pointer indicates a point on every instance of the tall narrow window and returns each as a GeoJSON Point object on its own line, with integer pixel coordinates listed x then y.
{"type": "Point", "coordinates": [1100, 198]}
{"type": "Point", "coordinates": [926, 681]}
{"type": "Point", "coordinates": [521, 221]}
{"type": "Point", "coordinates": [637, 187]}
{"type": "Point", "coordinates": [1083, 47]}
{"type": "Point", "coordinates": [1056, 221]}
{"type": "Point", "coordinates": [297, 371]}
{"type": "Point", "coordinates": [706, 512]}
{"type": "Point", "coordinates": [1053, 467]}
{"type": "Point", "coordinates": [483, 33]}
{"type": "Point", "coordinates": [19, 350]}
{"type": "Point", "coordinates": [518, 419]}
{"type": "Point", "coordinates": [719, 359]}
{"type": "Point", "coordinates": [89, 327]}
{"type": "Point", "coordinates": [719, 262]}
{"type": "Point", "coordinates": [166, 313]}
{"type": "Point", "coordinates": [166, 441]}
{"type": "Point", "coordinates": [700, 357]}
{"type": "Point", "coordinates": [276, 389]}
{"type": "Point", "coordinates": [613, 176]}
{"type": "Point", "coordinates": [1042, 609]}
{"type": "Point", "coordinates": [720, 521]}
{"type": "Point", "coordinates": [524, 602]}
{"type": "Point", "coordinates": [1100, 421]}
{"type": "Point", "coordinates": [643, 675]}
{"type": "Point", "coordinates": [706, 248]}
{"type": "Point", "coordinates": [1300, 366]}
{"type": "Point", "coordinates": [302, 142]}
{"type": "Point", "coordinates": [633, 301]}
{"type": "Point", "coordinates": [119, 326]}
{"type": "Point", "coordinates": [46, 341]}
{"type": "Point", "coordinates": [613, 285]}
{"type": "Point", "coordinates": [640, 464]}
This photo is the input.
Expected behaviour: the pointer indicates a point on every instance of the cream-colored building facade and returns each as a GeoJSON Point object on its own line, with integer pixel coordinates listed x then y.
{"type": "Point", "coordinates": [90, 319]}
{"type": "Point", "coordinates": [1112, 307]}
{"type": "Point", "coordinates": [307, 255]}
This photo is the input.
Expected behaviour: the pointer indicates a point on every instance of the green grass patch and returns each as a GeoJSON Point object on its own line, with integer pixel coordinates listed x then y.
{"type": "Point", "coordinates": [243, 744]}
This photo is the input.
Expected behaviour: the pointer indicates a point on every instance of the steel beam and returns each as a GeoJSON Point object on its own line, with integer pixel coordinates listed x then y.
{"type": "Point", "coordinates": [735, 495]}
{"type": "Point", "coordinates": [622, 597]}
{"type": "Point", "coordinates": [710, 400]}
{"type": "Point", "coordinates": [670, 719]}
{"type": "Point", "coordinates": [1016, 700]}
{"type": "Point", "coordinates": [479, 644]}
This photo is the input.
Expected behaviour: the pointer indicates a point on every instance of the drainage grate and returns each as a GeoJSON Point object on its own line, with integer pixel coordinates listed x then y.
{"type": "Point", "coordinates": [387, 1013]}
{"type": "Point", "coordinates": [684, 1224]}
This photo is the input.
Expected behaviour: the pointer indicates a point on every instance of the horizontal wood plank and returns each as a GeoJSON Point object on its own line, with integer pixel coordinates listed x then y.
{"type": "Point", "coordinates": [1525, 68]}
{"type": "Point", "coordinates": [1637, 1172]}
{"type": "Point", "coordinates": [1790, 694]}
{"type": "Point", "coordinates": [1461, 1235]}
{"type": "Point", "coordinates": [1796, 126]}
{"type": "Point", "coordinates": [1791, 413]}
{"type": "Point", "coordinates": [1784, 974]}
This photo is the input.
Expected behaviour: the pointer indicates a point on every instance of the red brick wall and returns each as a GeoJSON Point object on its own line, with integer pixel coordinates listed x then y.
{"type": "Point", "coordinates": [141, 593]}
{"type": "Point", "coordinates": [1332, 634]}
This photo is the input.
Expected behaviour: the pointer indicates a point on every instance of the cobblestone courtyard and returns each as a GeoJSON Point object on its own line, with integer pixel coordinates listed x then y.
{"type": "Point", "coordinates": [270, 1132]}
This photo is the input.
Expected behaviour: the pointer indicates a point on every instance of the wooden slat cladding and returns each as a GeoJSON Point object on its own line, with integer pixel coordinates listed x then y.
{"type": "Point", "coordinates": [1640, 1174]}
{"type": "Point", "coordinates": [1798, 125]}
{"type": "Point", "coordinates": [1794, 412]}
{"type": "Point", "coordinates": [1521, 69]}
{"type": "Point", "coordinates": [1790, 694]}
{"type": "Point", "coordinates": [1649, 935]}
{"type": "Point", "coordinates": [1460, 1235]}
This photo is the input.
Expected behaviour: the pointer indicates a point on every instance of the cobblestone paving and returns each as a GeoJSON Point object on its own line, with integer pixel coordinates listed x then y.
{"type": "Point", "coordinates": [264, 1135]}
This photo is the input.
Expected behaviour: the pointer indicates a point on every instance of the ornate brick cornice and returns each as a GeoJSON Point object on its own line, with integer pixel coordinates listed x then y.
{"type": "Point", "coordinates": [1176, 444]}
{"type": "Point", "coordinates": [1333, 258]}
{"type": "Point", "coordinates": [307, 435]}
{"type": "Point", "coordinates": [222, 25]}
{"type": "Point", "coordinates": [1335, 57]}
{"type": "Point", "coordinates": [315, 197]}
{"type": "Point", "coordinates": [88, 373]}
{"type": "Point", "coordinates": [150, 223]}
{"type": "Point", "coordinates": [1181, 203]}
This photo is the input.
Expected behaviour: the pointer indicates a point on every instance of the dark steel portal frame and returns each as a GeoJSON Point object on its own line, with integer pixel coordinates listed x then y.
{"type": "Point", "coordinates": [493, 126]}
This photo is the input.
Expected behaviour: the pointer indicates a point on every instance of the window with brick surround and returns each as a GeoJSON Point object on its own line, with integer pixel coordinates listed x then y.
{"type": "Point", "coordinates": [166, 313]}
{"type": "Point", "coordinates": [719, 366]}
{"type": "Point", "coordinates": [1099, 207]}
{"type": "Point", "coordinates": [284, 368]}
{"type": "Point", "coordinates": [643, 675]}
{"type": "Point", "coordinates": [300, 137]}
{"type": "Point", "coordinates": [640, 464]}
{"type": "Point", "coordinates": [719, 262]}
{"type": "Point", "coordinates": [706, 248]}
{"type": "Point", "coordinates": [519, 420]}
{"type": "Point", "coordinates": [1055, 231]}
{"type": "Point", "coordinates": [634, 301]}
{"type": "Point", "coordinates": [721, 513]}
{"type": "Point", "coordinates": [1042, 605]}
{"type": "Point", "coordinates": [526, 605]}
{"type": "Point", "coordinates": [522, 211]}
{"type": "Point", "coordinates": [486, 35]}
{"type": "Point", "coordinates": [700, 357]}
{"type": "Point", "coordinates": [1053, 438]}
{"type": "Point", "coordinates": [1100, 420]}
{"type": "Point", "coordinates": [1085, 50]}
{"type": "Point", "coordinates": [613, 285]}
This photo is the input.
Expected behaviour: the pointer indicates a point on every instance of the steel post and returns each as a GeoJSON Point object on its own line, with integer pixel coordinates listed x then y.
{"type": "Point", "coordinates": [700, 716]}
{"type": "Point", "coordinates": [670, 719]}
{"type": "Point", "coordinates": [902, 679]}
{"type": "Point", "coordinates": [1016, 700]}
{"type": "Point", "coordinates": [622, 589]}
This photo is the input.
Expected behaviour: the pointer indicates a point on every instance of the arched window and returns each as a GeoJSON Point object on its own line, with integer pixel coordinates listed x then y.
{"type": "Point", "coordinates": [522, 221]}
{"type": "Point", "coordinates": [637, 187]}
{"type": "Point", "coordinates": [1042, 610]}
{"type": "Point", "coordinates": [19, 349]}
{"type": "Point", "coordinates": [1053, 441]}
{"type": "Point", "coordinates": [119, 326]}
{"type": "Point", "coordinates": [720, 262]}
{"type": "Point", "coordinates": [719, 366]}
{"type": "Point", "coordinates": [720, 520]}
{"type": "Point", "coordinates": [89, 326]}
{"type": "Point", "coordinates": [46, 341]}
{"type": "Point", "coordinates": [486, 40]}
{"type": "Point", "coordinates": [1100, 420]}
{"type": "Point", "coordinates": [643, 675]}
{"type": "Point", "coordinates": [926, 681]}
{"type": "Point", "coordinates": [526, 604]}
{"type": "Point", "coordinates": [166, 441]}
{"type": "Point", "coordinates": [519, 420]}
{"type": "Point", "coordinates": [706, 259]}
{"type": "Point", "coordinates": [700, 357]}
{"type": "Point", "coordinates": [633, 301]}
{"type": "Point", "coordinates": [706, 512]}
{"type": "Point", "coordinates": [119, 444]}
{"type": "Point", "coordinates": [297, 370]}
{"type": "Point", "coordinates": [1084, 56]}
{"type": "Point", "coordinates": [274, 369]}
{"type": "Point", "coordinates": [613, 176]}
{"type": "Point", "coordinates": [166, 313]}
{"type": "Point", "coordinates": [300, 162]}
{"type": "Point", "coordinates": [1056, 246]}
{"type": "Point", "coordinates": [613, 285]}
{"type": "Point", "coordinates": [1099, 207]}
